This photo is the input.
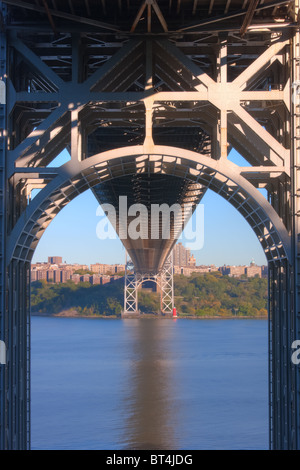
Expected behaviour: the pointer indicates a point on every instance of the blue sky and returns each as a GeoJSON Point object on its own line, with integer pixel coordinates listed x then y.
{"type": "Point", "coordinates": [228, 239]}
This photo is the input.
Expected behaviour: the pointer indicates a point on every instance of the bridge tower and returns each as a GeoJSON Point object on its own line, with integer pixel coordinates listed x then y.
{"type": "Point", "coordinates": [149, 97]}
{"type": "Point", "coordinates": [163, 280]}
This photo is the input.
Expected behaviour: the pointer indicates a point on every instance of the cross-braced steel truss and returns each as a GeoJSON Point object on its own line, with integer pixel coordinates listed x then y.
{"type": "Point", "coordinates": [130, 290]}
{"type": "Point", "coordinates": [163, 280]}
{"type": "Point", "coordinates": [150, 97]}
{"type": "Point", "coordinates": [167, 286]}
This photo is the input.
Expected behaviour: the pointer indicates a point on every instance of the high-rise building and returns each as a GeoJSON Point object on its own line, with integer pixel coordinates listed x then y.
{"type": "Point", "coordinates": [66, 275]}
{"type": "Point", "coordinates": [105, 279]}
{"type": "Point", "coordinates": [95, 279]}
{"type": "Point", "coordinates": [42, 276]}
{"type": "Point", "coordinates": [264, 272]}
{"type": "Point", "coordinates": [54, 260]}
{"type": "Point", "coordinates": [253, 270]}
{"type": "Point", "coordinates": [50, 275]}
{"type": "Point", "coordinates": [233, 271]}
{"type": "Point", "coordinates": [103, 268]}
{"type": "Point", "coordinates": [181, 255]}
{"type": "Point", "coordinates": [119, 268]}
{"type": "Point", "coordinates": [75, 278]}
{"type": "Point", "coordinates": [57, 275]}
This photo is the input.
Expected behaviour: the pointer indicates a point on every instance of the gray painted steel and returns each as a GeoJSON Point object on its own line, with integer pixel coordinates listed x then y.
{"type": "Point", "coordinates": [150, 93]}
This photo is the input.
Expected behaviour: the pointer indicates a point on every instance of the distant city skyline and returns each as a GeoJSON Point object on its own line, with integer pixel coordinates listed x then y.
{"type": "Point", "coordinates": [228, 239]}
{"type": "Point", "coordinates": [54, 271]}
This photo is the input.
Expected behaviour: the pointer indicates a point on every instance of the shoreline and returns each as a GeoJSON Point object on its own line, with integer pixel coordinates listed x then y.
{"type": "Point", "coordinates": [144, 316]}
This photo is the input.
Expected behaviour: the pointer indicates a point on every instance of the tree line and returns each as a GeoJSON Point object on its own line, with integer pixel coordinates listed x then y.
{"type": "Point", "coordinates": [201, 295]}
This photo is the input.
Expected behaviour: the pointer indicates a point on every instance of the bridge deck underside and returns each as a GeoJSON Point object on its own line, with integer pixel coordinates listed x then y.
{"type": "Point", "coordinates": [113, 16]}
{"type": "Point", "coordinates": [158, 231]}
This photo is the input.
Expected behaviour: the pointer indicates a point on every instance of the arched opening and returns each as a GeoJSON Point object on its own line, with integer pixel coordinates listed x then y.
{"type": "Point", "coordinates": [223, 178]}
{"type": "Point", "coordinates": [73, 179]}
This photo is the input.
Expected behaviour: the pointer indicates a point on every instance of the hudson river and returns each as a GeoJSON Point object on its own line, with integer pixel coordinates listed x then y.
{"type": "Point", "coordinates": [149, 384]}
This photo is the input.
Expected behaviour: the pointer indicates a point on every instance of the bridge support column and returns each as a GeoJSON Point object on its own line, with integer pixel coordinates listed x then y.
{"type": "Point", "coordinates": [17, 375]}
{"type": "Point", "coordinates": [130, 291]}
{"type": "Point", "coordinates": [164, 281]}
{"type": "Point", "coordinates": [3, 120]}
{"type": "Point", "coordinates": [167, 287]}
{"type": "Point", "coordinates": [283, 388]}
{"type": "Point", "coordinates": [295, 175]}
{"type": "Point", "coordinates": [14, 300]}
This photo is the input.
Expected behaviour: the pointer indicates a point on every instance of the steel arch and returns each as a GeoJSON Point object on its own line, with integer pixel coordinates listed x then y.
{"type": "Point", "coordinates": [223, 177]}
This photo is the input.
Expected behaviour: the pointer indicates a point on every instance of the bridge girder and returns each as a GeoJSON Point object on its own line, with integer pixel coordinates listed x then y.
{"type": "Point", "coordinates": [223, 177]}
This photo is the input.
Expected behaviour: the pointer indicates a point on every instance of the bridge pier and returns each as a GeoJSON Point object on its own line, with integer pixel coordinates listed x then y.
{"type": "Point", "coordinates": [3, 202]}
{"type": "Point", "coordinates": [15, 374]}
{"type": "Point", "coordinates": [130, 291]}
{"type": "Point", "coordinates": [293, 272]}
{"type": "Point", "coordinates": [283, 374]}
{"type": "Point", "coordinates": [134, 281]}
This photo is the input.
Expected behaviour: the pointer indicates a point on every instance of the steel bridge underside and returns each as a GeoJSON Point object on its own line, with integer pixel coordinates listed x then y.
{"type": "Point", "coordinates": [157, 238]}
{"type": "Point", "coordinates": [148, 98]}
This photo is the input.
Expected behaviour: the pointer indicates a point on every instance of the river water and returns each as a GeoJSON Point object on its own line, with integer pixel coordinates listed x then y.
{"type": "Point", "coordinates": [149, 384]}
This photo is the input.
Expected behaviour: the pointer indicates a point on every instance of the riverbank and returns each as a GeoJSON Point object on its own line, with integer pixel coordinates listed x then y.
{"type": "Point", "coordinates": [75, 314]}
{"type": "Point", "coordinates": [200, 296]}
